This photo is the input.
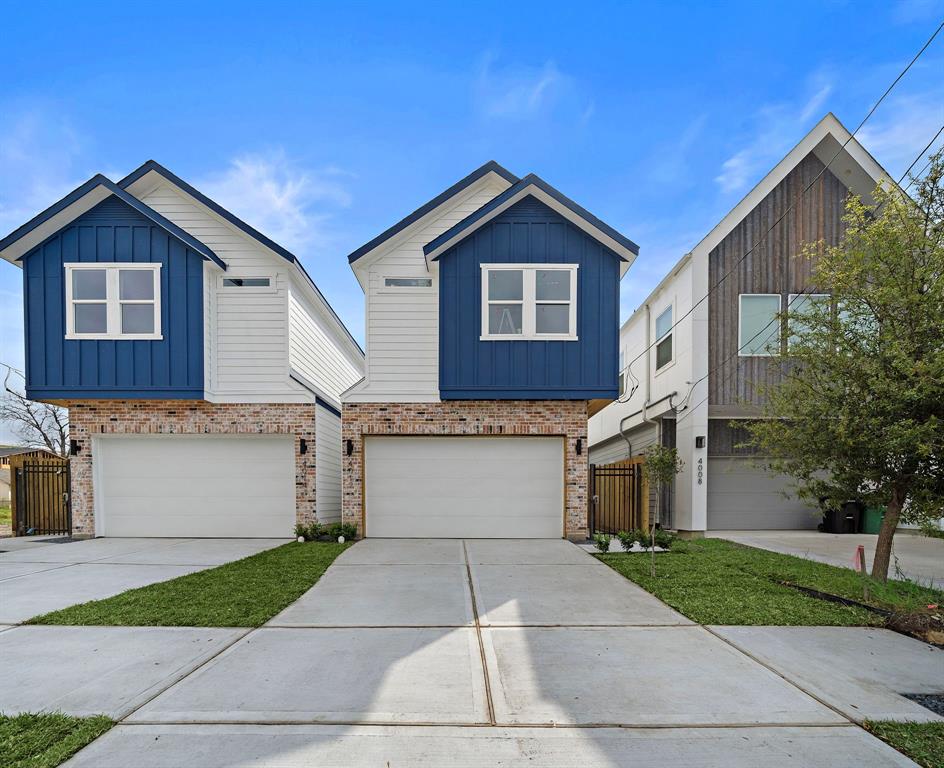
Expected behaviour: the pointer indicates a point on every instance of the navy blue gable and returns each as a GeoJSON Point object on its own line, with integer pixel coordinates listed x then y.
{"type": "Point", "coordinates": [528, 232]}
{"type": "Point", "coordinates": [58, 368]}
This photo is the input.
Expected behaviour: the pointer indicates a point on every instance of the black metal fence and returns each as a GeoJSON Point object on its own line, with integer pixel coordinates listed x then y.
{"type": "Point", "coordinates": [618, 497]}
{"type": "Point", "coordinates": [41, 497]}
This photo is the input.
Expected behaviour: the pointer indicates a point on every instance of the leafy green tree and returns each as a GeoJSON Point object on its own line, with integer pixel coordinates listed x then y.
{"type": "Point", "coordinates": [660, 468]}
{"type": "Point", "coordinates": [859, 411]}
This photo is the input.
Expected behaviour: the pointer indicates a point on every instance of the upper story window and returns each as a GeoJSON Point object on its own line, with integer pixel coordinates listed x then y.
{"type": "Point", "coordinates": [664, 338]}
{"type": "Point", "coordinates": [408, 282]}
{"type": "Point", "coordinates": [118, 300]}
{"type": "Point", "coordinates": [622, 374]}
{"type": "Point", "coordinates": [759, 324]}
{"type": "Point", "coordinates": [245, 282]}
{"type": "Point", "coordinates": [529, 301]}
{"type": "Point", "coordinates": [798, 305]}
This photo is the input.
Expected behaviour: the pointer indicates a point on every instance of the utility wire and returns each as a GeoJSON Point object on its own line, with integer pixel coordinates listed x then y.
{"type": "Point", "coordinates": [802, 194]}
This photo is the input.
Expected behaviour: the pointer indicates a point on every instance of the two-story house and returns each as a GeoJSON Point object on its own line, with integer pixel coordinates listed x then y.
{"type": "Point", "coordinates": [492, 326]}
{"type": "Point", "coordinates": [201, 366]}
{"type": "Point", "coordinates": [694, 352]}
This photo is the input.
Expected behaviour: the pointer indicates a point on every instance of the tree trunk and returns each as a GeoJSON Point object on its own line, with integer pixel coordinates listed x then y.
{"type": "Point", "coordinates": [883, 547]}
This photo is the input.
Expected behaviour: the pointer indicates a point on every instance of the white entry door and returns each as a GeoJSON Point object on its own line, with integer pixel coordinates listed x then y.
{"type": "Point", "coordinates": [195, 485]}
{"type": "Point", "coordinates": [464, 487]}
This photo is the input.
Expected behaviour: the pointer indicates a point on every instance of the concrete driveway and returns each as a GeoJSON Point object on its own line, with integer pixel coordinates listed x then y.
{"type": "Point", "coordinates": [918, 558]}
{"type": "Point", "coordinates": [41, 576]}
{"type": "Point", "coordinates": [474, 653]}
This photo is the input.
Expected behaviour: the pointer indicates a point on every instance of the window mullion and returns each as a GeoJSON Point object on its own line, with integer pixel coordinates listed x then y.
{"type": "Point", "coordinates": [529, 308]}
{"type": "Point", "coordinates": [112, 304]}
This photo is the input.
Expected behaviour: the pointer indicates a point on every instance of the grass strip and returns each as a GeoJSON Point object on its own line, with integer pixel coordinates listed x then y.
{"type": "Point", "coordinates": [45, 740]}
{"type": "Point", "coordinates": [713, 581]}
{"type": "Point", "coordinates": [243, 593]}
{"type": "Point", "coordinates": [922, 742]}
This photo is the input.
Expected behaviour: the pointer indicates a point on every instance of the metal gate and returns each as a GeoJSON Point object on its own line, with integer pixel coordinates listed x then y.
{"type": "Point", "coordinates": [619, 497]}
{"type": "Point", "coordinates": [41, 497]}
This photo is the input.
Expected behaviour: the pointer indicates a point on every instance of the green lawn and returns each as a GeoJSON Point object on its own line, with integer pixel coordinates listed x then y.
{"type": "Point", "coordinates": [244, 593]}
{"type": "Point", "coordinates": [922, 742]}
{"type": "Point", "coordinates": [46, 740]}
{"type": "Point", "coordinates": [718, 582]}
{"type": "Point", "coordinates": [6, 514]}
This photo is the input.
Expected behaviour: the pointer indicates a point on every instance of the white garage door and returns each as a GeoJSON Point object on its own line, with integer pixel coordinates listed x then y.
{"type": "Point", "coordinates": [464, 487]}
{"type": "Point", "coordinates": [200, 485]}
{"type": "Point", "coordinates": [743, 496]}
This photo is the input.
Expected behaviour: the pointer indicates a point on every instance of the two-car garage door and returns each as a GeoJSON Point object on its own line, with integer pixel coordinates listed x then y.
{"type": "Point", "coordinates": [195, 485]}
{"type": "Point", "coordinates": [464, 487]}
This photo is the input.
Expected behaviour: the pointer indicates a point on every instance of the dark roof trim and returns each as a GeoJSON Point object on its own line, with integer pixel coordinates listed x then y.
{"type": "Point", "coordinates": [100, 181]}
{"type": "Point", "coordinates": [327, 406]}
{"type": "Point", "coordinates": [153, 165]}
{"type": "Point", "coordinates": [490, 167]}
{"type": "Point", "coordinates": [490, 208]}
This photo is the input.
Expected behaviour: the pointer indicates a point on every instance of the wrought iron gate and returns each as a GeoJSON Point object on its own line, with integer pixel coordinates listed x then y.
{"type": "Point", "coordinates": [619, 497]}
{"type": "Point", "coordinates": [42, 497]}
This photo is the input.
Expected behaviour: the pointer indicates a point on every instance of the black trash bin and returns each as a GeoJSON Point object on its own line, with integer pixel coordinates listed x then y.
{"type": "Point", "coordinates": [844, 519]}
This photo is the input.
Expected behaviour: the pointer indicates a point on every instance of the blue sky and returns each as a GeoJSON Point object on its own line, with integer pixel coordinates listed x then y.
{"type": "Point", "coordinates": [322, 126]}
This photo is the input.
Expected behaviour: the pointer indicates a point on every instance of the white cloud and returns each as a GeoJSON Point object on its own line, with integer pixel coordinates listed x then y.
{"type": "Point", "coordinates": [777, 127]}
{"type": "Point", "coordinates": [289, 203]}
{"type": "Point", "coordinates": [518, 92]}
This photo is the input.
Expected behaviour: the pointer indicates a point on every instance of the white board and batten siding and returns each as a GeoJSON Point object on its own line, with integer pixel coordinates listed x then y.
{"type": "Point", "coordinates": [252, 331]}
{"type": "Point", "coordinates": [403, 323]}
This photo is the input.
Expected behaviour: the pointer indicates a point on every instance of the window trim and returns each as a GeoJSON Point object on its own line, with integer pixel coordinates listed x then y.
{"type": "Point", "coordinates": [267, 287]}
{"type": "Point", "coordinates": [779, 330]}
{"type": "Point", "coordinates": [529, 303]}
{"type": "Point", "coordinates": [657, 340]}
{"type": "Point", "coordinates": [112, 301]}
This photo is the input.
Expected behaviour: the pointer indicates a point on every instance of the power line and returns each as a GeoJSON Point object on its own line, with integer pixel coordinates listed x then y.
{"type": "Point", "coordinates": [802, 194]}
{"type": "Point", "coordinates": [807, 292]}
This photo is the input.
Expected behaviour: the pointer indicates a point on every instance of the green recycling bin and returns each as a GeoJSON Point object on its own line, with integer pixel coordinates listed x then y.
{"type": "Point", "coordinates": [872, 519]}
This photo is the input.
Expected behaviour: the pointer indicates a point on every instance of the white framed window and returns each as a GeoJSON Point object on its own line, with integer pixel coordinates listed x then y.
{"type": "Point", "coordinates": [622, 373]}
{"type": "Point", "coordinates": [797, 305]}
{"type": "Point", "coordinates": [664, 354]}
{"type": "Point", "coordinates": [758, 324]}
{"type": "Point", "coordinates": [407, 283]}
{"type": "Point", "coordinates": [117, 300]}
{"type": "Point", "coordinates": [529, 301]}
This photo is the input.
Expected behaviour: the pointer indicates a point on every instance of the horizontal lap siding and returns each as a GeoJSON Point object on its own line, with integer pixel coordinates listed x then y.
{"type": "Point", "coordinates": [774, 266]}
{"type": "Point", "coordinates": [403, 326]}
{"type": "Point", "coordinates": [59, 367]}
{"type": "Point", "coordinates": [529, 232]}
{"type": "Point", "coordinates": [250, 326]}
{"type": "Point", "coordinates": [328, 446]}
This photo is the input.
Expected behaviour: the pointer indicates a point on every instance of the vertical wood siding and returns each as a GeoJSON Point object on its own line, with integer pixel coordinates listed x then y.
{"type": "Point", "coordinates": [775, 266]}
{"type": "Point", "coordinates": [529, 232]}
{"type": "Point", "coordinates": [58, 368]}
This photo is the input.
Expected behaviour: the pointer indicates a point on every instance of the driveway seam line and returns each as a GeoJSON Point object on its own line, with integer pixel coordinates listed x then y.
{"type": "Point", "coordinates": [199, 666]}
{"type": "Point", "coordinates": [478, 635]}
{"type": "Point", "coordinates": [459, 724]}
{"type": "Point", "coordinates": [781, 675]}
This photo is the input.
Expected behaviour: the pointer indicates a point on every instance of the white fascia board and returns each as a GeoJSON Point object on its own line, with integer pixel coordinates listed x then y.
{"type": "Point", "coordinates": [54, 224]}
{"type": "Point", "coordinates": [556, 206]}
{"type": "Point", "coordinates": [361, 267]}
{"type": "Point", "coordinates": [663, 284]}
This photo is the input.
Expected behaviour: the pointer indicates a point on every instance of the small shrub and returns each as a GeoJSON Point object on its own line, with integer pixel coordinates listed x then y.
{"type": "Point", "coordinates": [626, 539]}
{"type": "Point", "coordinates": [664, 539]}
{"type": "Point", "coordinates": [601, 541]}
{"type": "Point", "coordinates": [301, 530]}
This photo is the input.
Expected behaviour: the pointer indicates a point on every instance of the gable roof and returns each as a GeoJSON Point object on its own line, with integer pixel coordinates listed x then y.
{"type": "Point", "coordinates": [490, 167]}
{"type": "Point", "coordinates": [152, 166]}
{"type": "Point", "coordinates": [835, 147]}
{"type": "Point", "coordinates": [534, 186]}
{"type": "Point", "coordinates": [79, 201]}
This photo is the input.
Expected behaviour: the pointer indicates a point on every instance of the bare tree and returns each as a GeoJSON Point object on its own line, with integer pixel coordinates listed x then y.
{"type": "Point", "coordinates": [38, 425]}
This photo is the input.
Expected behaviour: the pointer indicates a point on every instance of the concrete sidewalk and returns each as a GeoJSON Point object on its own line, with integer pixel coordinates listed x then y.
{"type": "Point", "coordinates": [519, 653]}
{"type": "Point", "coordinates": [918, 558]}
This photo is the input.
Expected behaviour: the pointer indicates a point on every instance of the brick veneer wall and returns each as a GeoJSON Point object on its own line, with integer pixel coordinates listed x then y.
{"type": "Point", "coordinates": [88, 418]}
{"type": "Point", "coordinates": [468, 417]}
